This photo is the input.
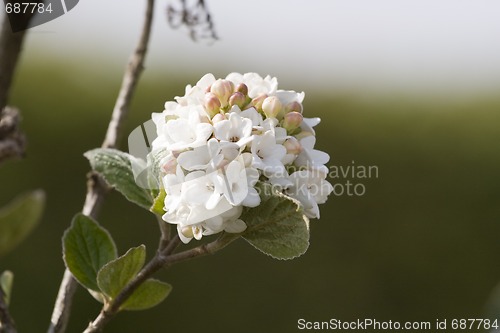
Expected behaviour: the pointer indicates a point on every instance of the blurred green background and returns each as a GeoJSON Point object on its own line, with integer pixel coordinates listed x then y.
{"type": "Point", "coordinates": [421, 244]}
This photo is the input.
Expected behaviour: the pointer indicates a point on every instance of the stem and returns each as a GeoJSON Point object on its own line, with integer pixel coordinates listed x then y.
{"type": "Point", "coordinates": [163, 259]}
{"type": "Point", "coordinates": [6, 322]}
{"type": "Point", "coordinates": [96, 186]}
{"type": "Point", "coordinates": [165, 233]}
{"type": "Point", "coordinates": [10, 50]}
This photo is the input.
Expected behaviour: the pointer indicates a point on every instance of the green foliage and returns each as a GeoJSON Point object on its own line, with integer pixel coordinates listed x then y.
{"type": "Point", "coordinates": [6, 281]}
{"type": "Point", "coordinates": [149, 294]}
{"type": "Point", "coordinates": [159, 203]}
{"type": "Point", "coordinates": [87, 247]}
{"type": "Point", "coordinates": [116, 168]}
{"type": "Point", "coordinates": [277, 227]}
{"type": "Point", "coordinates": [116, 274]}
{"type": "Point", "coordinates": [19, 218]}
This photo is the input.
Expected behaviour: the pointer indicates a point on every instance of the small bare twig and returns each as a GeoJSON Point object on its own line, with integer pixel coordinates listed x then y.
{"type": "Point", "coordinates": [6, 322]}
{"type": "Point", "coordinates": [97, 187]}
{"type": "Point", "coordinates": [195, 17]}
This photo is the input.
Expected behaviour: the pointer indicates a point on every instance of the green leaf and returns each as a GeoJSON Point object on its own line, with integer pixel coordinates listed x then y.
{"type": "Point", "coordinates": [116, 168]}
{"type": "Point", "coordinates": [116, 274]}
{"type": "Point", "coordinates": [277, 226]}
{"type": "Point", "coordinates": [6, 281]}
{"type": "Point", "coordinates": [87, 247]}
{"type": "Point", "coordinates": [19, 218]}
{"type": "Point", "coordinates": [159, 203]}
{"type": "Point", "coordinates": [149, 294]}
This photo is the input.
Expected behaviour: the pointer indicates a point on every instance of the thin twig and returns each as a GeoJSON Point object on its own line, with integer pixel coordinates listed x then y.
{"type": "Point", "coordinates": [163, 259]}
{"type": "Point", "coordinates": [10, 50]}
{"type": "Point", "coordinates": [165, 233]}
{"type": "Point", "coordinates": [6, 322]}
{"type": "Point", "coordinates": [96, 188]}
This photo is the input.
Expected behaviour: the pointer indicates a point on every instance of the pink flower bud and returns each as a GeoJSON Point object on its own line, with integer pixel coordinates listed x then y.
{"type": "Point", "coordinates": [292, 121]}
{"type": "Point", "coordinates": [257, 102]}
{"type": "Point", "coordinates": [223, 89]}
{"type": "Point", "coordinates": [169, 164]}
{"type": "Point", "coordinates": [242, 88]}
{"type": "Point", "coordinates": [237, 99]}
{"type": "Point", "coordinates": [271, 106]}
{"type": "Point", "coordinates": [293, 107]}
{"type": "Point", "coordinates": [212, 104]}
{"type": "Point", "coordinates": [218, 117]}
{"type": "Point", "coordinates": [292, 146]}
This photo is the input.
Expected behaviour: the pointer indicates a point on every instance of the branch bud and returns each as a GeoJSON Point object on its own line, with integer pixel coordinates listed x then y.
{"type": "Point", "coordinates": [271, 106]}
{"type": "Point", "coordinates": [292, 146]}
{"type": "Point", "coordinates": [212, 104]}
{"type": "Point", "coordinates": [292, 121]}
{"type": "Point", "coordinates": [257, 102]}
{"type": "Point", "coordinates": [237, 99]}
{"type": "Point", "coordinates": [293, 107]}
{"type": "Point", "coordinates": [242, 88]}
{"type": "Point", "coordinates": [223, 89]}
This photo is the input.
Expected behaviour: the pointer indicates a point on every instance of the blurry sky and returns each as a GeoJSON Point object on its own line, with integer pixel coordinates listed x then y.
{"type": "Point", "coordinates": [385, 44]}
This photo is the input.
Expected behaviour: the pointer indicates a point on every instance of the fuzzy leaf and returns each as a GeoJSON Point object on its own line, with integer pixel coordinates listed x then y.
{"type": "Point", "coordinates": [277, 226]}
{"type": "Point", "coordinates": [116, 274]}
{"type": "Point", "coordinates": [116, 168]}
{"type": "Point", "coordinates": [19, 218]}
{"type": "Point", "coordinates": [87, 247]}
{"type": "Point", "coordinates": [149, 294]}
{"type": "Point", "coordinates": [6, 281]}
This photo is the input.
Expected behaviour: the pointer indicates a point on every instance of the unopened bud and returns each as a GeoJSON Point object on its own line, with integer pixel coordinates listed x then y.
{"type": "Point", "coordinates": [293, 107]}
{"type": "Point", "coordinates": [292, 121]}
{"type": "Point", "coordinates": [242, 88]}
{"type": "Point", "coordinates": [212, 104]}
{"type": "Point", "coordinates": [271, 106]}
{"type": "Point", "coordinates": [218, 117]}
{"type": "Point", "coordinates": [292, 146]}
{"type": "Point", "coordinates": [222, 89]}
{"type": "Point", "coordinates": [169, 164]}
{"type": "Point", "coordinates": [257, 102]}
{"type": "Point", "coordinates": [187, 232]}
{"type": "Point", "coordinates": [237, 99]}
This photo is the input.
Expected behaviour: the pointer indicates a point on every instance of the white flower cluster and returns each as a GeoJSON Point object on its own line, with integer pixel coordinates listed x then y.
{"type": "Point", "coordinates": [225, 135]}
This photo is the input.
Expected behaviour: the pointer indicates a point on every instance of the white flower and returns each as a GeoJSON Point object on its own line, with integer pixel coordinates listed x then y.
{"type": "Point", "coordinates": [310, 157]}
{"type": "Point", "coordinates": [251, 114]}
{"type": "Point", "coordinates": [255, 83]}
{"type": "Point", "coordinates": [267, 155]}
{"type": "Point", "coordinates": [202, 188]}
{"type": "Point", "coordinates": [183, 132]}
{"type": "Point", "coordinates": [195, 95]}
{"type": "Point", "coordinates": [221, 138]}
{"type": "Point", "coordinates": [235, 129]}
{"type": "Point", "coordinates": [310, 188]}
{"type": "Point", "coordinates": [200, 158]}
{"type": "Point", "coordinates": [308, 124]}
